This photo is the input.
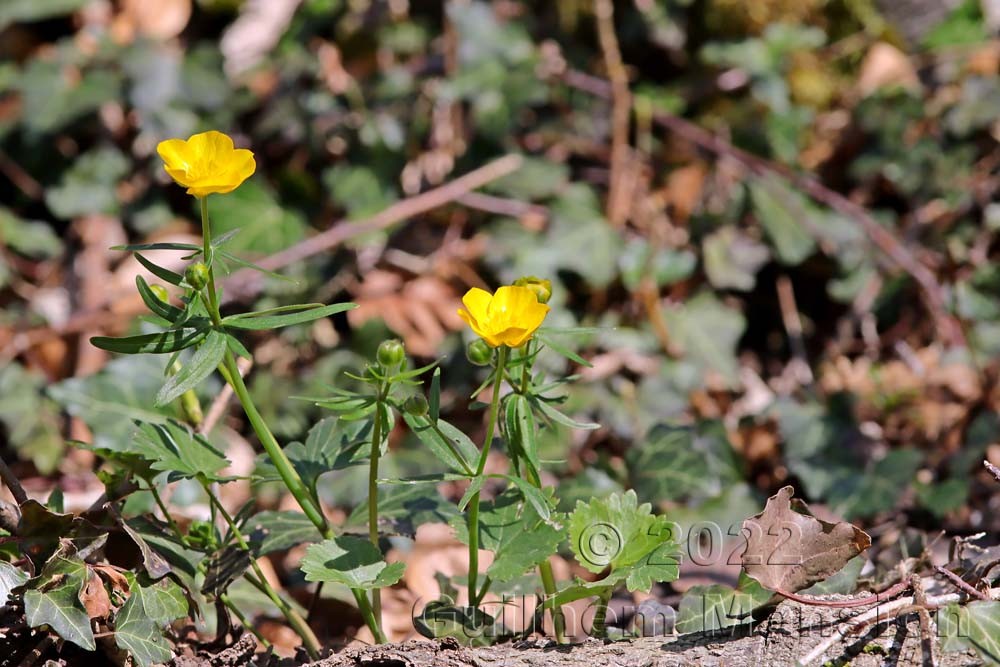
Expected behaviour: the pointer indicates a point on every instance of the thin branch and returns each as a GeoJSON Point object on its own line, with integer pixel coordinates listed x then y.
{"type": "Point", "coordinates": [793, 327]}
{"type": "Point", "coordinates": [878, 613]}
{"type": "Point", "coordinates": [960, 583]}
{"type": "Point", "coordinates": [619, 200]}
{"type": "Point", "coordinates": [514, 208]}
{"type": "Point", "coordinates": [246, 281]}
{"type": "Point", "coordinates": [875, 598]}
{"type": "Point", "coordinates": [995, 471]}
{"type": "Point", "coordinates": [10, 479]}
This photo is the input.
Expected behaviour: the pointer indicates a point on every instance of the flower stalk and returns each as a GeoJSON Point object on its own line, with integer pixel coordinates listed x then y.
{"type": "Point", "coordinates": [475, 596]}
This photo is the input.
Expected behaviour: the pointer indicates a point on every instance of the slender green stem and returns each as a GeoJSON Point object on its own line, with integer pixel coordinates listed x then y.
{"type": "Point", "coordinates": [549, 585]}
{"type": "Point", "coordinates": [498, 375]}
{"type": "Point", "coordinates": [365, 607]}
{"type": "Point", "coordinates": [166, 514]}
{"type": "Point", "coordinates": [284, 467]}
{"type": "Point", "coordinates": [373, 461]}
{"type": "Point", "coordinates": [599, 630]}
{"type": "Point", "coordinates": [294, 619]}
{"type": "Point", "coordinates": [478, 597]}
{"type": "Point", "coordinates": [226, 600]}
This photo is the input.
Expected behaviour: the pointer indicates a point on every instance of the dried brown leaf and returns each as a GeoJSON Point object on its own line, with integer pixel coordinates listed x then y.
{"type": "Point", "coordinates": [95, 597]}
{"type": "Point", "coordinates": [788, 550]}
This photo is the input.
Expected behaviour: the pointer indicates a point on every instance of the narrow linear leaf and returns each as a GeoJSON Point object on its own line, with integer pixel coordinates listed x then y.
{"type": "Point", "coordinates": [141, 247]}
{"type": "Point", "coordinates": [164, 310]}
{"type": "Point", "coordinates": [205, 360]}
{"type": "Point", "coordinates": [257, 321]}
{"type": "Point", "coordinates": [159, 343]}
{"type": "Point", "coordinates": [160, 272]}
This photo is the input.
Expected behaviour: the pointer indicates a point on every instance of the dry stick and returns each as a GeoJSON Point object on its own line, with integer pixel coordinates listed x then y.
{"type": "Point", "coordinates": [619, 202]}
{"type": "Point", "coordinates": [926, 626]}
{"type": "Point", "coordinates": [887, 594]}
{"type": "Point", "coordinates": [793, 327]}
{"type": "Point", "coordinates": [221, 401]}
{"type": "Point", "coordinates": [10, 479]}
{"type": "Point", "coordinates": [514, 208]}
{"type": "Point", "coordinates": [878, 613]}
{"type": "Point", "coordinates": [24, 181]}
{"type": "Point", "coordinates": [247, 281]}
{"type": "Point", "coordinates": [995, 471]}
{"type": "Point", "coordinates": [960, 583]}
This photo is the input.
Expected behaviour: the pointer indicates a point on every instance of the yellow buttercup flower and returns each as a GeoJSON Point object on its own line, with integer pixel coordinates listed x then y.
{"type": "Point", "coordinates": [508, 317]}
{"type": "Point", "coordinates": [207, 163]}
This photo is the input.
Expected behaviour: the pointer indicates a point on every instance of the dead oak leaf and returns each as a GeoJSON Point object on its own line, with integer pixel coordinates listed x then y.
{"type": "Point", "coordinates": [788, 550]}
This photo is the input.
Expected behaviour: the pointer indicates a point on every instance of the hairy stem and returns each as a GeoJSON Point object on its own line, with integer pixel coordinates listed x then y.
{"type": "Point", "coordinates": [599, 630]}
{"type": "Point", "coordinates": [498, 375]}
{"type": "Point", "coordinates": [549, 585]}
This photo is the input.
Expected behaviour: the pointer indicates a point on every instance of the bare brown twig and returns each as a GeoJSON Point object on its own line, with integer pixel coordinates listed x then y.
{"type": "Point", "coordinates": [960, 583]}
{"type": "Point", "coordinates": [10, 479]}
{"type": "Point", "coordinates": [887, 594]}
{"type": "Point", "coordinates": [619, 199]}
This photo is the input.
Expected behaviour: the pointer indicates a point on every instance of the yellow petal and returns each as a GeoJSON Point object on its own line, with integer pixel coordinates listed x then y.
{"type": "Point", "coordinates": [174, 153]}
{"type": "Point", "coordinates": [477, 301]}
{"type": "Point", "coordinates": [208, 146]}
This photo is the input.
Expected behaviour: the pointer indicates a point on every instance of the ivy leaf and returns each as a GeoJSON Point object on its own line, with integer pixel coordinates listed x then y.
{"type": "Point", "coordinates": [708, 331]}
{"type": "Point", "coordinates": [200, 366]}
{"type": "Point", "coordinates": [783, 213]}
{"type": "Point", "coordinates": [619, 533]}
{"type": "Point", "coordinates": [712, 608]}
{"type": "Point", "coordinates": [140, 621]}
{"type": "Point", "coordinates": [733, 258]}
{"type": "Point", "coordinates": [680, 462]}
{"type": "Point", "coordinates": [54, 600]}
{"type": "Point", "coordinates": [332, 444]}
{"type": "Point", "coordinates": [277, 531]}
{"type": "Point", "coordinates": [178, 451]}
{"type": "Point", "coordinates": [514, 532]}
{"type": "Point", "coordinates": [351, 561]}
{"type": "Point", "coordinates": [10, 578]}
{"type": "Point", "coordinates": [974, 625]}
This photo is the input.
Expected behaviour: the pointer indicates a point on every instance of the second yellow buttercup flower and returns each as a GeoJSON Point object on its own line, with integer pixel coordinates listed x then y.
{"type": "Point", "coordinates": [509, 317]}
{"type": "Point", "coordinates": [207, 163]}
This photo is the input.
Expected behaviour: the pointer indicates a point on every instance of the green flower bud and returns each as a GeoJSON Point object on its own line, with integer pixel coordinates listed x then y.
{"type": "Point", "coordinates": [416, 405]}
{"type": "Point", "coordinates": [390, 354]}
{"type": "Point", "coordinates": [160, 292]}
{"type": "Point", "coordinates": [196, 275]}
{"type": "Point", "coordinates": [541, 287]}
{"type": "Point", "coordinates": [479, 352]}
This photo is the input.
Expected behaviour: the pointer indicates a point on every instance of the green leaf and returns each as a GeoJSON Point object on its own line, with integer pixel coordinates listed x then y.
{"type": "Point", "coordinates": [351, 561]}
{"type": "Point", "coordinates": [10, 578]}
{"type": "Point", "coordinates": [559, 418]}
{"type": "Point", "coordinates": [250, 265]}
{"type": "Point", "coordinates": [514, 532]}
{"type": "Point", "coordinates": [434, 404]}
{"type": "Point", "coordinates": [142, 247]}
{"type": "Point", "coordinates": [408, 506]}
{"type": "Point", "coordinates": [470, 626]}
{"type": "Point", "coordinates": [677, 462]}
{"type": "Point", "coordinates": [580, 589]}
{"type": "Point", "coordinates": [140, 621]}
{"type": "Point", "coordinates": [265, 226]}
{"type": "Point", "coordinates": [110, 401]}
{"type": "Point", "coordinates": [547, 337]}
{"type": "Point", "coordinates": [522, 431]}
{"type": "Point", "coordinates": [166, 275]}
{"type": "Point", "coordinates": [332, 444]}
{"type": "Point", "coordinates": [712, 608]}
{"type": "Point", "coordinates": [446, 442]}
{"type": "Point", "coordinates": [31, 238]}
{"type": "Point", "coordinates": [732, 258]}
{"type": "Point", "coordinates": [784, 215]}
{"type": "Point", "coordinates": [205, 360]}
{"type": "Point", "coordinates": [619, 533]}
{"type": "Point", "coordinates": [708, 331]}
{"type": "Point", "coordinates": [54, 600]}
{"type": "Point", "coordinates": [660, 564]}
{"type": "Point", "coordinates": [164, 310]}
{"type": "Point", "coordinates": [262, 320]}
{"type": "Point", "coordinates": [175, 449]}
{"type": "Point", "coordinates": [88, 187]}
{"type": "Point", "coordinates": [271, 531]}
{"type": "Point", "coordinates": [975, 625]}
{"type": "Point", "coordinates": [533, 495]}
{"type": "Point", "coordinates": [158, 343]}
